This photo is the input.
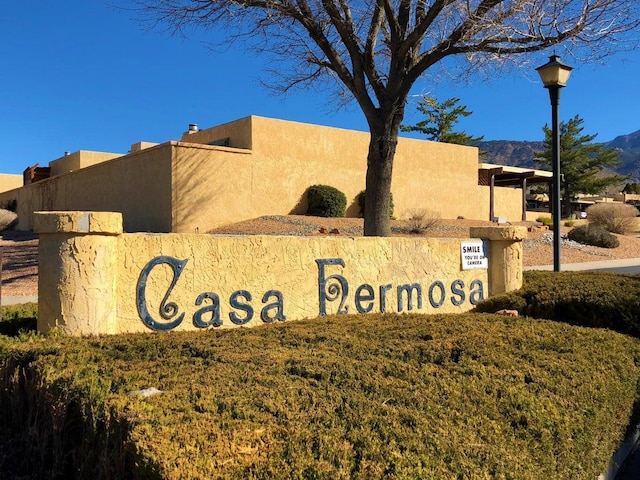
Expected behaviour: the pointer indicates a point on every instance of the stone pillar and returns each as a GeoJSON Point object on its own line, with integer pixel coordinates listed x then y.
{"type": "Point", "coordinates": [77, 273]}
{"type": "Point", "coordinates": [505, 256]}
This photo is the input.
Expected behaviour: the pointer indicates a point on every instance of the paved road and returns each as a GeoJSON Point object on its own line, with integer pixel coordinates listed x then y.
{"type": "Point", "coordinates": [632, 269]}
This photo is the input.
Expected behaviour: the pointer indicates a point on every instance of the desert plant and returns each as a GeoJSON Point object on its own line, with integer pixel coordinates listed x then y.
{"type": "Point", "coordinates": [7, 219]}
{"type": "Point", "coordinates": [546, 221]}
{"type": "Point", "coordinates": [593, 235]}
{"type": "Point", "coordinates": [326, 201]}
{"type": "Point", "coordinates": [421, 220]}
{"type": "Point", "coordinates": [361, 203]}
{"type": "Point", "coordinates": [615, 217]}
{"type": "Point", "coordinates": [569, 223]}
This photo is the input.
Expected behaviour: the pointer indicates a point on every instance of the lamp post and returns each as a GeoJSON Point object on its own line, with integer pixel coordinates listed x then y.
{"type": "Point", "coordinates": [554, 75]}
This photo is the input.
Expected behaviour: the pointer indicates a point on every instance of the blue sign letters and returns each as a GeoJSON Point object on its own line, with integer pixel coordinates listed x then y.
{"type": "Point", "coordinates": [333, 290]}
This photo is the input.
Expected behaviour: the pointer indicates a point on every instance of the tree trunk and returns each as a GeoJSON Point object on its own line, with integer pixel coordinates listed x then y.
{"type": "Point", "coordinates": [382, 150]}
{"type": "Point", "coordinates": [567, 202]}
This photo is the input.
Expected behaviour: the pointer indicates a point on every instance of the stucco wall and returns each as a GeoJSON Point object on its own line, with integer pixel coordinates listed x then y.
{"type": "Point", "coordinates": [138, 185]}
{"type": "Point", "coordinates": [239, 133]}
{"type": "Point", "coordinates": [210, 186]}
{"type": "Point", "coordinates": [288, 157]}
{"type": "Point", "coordinates": [508, 203]}
{"type": "Point", "coordinates": [9, 182]}
{"type": "Point", "coordinates": [80, 159]}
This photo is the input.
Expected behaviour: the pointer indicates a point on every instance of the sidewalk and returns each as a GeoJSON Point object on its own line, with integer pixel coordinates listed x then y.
{"type": "Point", "coordinates": [18, 300]}
{"type": "Point", "coordinates": [624, 265]}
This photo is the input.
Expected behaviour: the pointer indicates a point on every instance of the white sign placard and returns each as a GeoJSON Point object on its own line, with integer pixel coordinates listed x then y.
{"type": "Point", "coordinates": [474, 255]}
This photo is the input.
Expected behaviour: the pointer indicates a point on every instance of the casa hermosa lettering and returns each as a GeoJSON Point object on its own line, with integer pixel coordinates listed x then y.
{"type": "Point", "coordinates": [336, 294]}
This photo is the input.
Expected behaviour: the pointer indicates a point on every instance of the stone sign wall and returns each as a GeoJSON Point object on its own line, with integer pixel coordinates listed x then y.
{"type": "Point", "coordinates": [96, 280]}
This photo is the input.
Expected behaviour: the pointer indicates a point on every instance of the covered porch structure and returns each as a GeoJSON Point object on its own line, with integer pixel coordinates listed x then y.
{"type": "Point", "coordinates": [492, 175]}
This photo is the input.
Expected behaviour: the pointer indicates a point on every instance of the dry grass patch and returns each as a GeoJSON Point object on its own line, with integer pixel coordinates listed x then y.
{"type": "Point", "coordinates": [614, 217]}
{"type": "Point", "coordinates": [421, 220]}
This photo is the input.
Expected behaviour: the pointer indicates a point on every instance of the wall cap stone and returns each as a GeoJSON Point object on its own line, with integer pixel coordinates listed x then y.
{"type": "Point", "coordinates": [509, 233]}
{"type": "Point", "coordinates": [105, 223]}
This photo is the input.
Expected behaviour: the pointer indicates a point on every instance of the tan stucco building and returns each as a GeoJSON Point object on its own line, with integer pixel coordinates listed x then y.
{"type": "Point", "coordinates": [9, 182]}
{"type": "Point", "coordinates": [258, 166]}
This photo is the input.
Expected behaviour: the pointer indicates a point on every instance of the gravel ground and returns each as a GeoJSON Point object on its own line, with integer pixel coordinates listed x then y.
{"type": "Point", "coordinates": [19, 274]}
{"type": "Point", "coordinates": [20, 249]}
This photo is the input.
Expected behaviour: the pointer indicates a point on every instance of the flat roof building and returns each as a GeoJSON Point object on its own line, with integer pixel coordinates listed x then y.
{"type": "Point", "coordinates": [259, 166]}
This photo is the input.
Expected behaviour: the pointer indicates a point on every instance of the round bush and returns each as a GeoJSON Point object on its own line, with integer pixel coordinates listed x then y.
{"type": "Point", "coordinates": [361, 203]}
{"type": "Point", "coordinates": [326, 201]}
{"type": "Point", "coordinates": [593, 235]}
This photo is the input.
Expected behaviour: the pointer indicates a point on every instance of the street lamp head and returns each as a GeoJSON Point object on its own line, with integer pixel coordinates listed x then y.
{"type": "Point", "coordinates": [554, 73]}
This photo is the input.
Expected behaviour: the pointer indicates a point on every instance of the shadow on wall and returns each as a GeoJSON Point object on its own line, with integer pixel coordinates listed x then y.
{"type": "Point", "coordinates": [354, 210]}
{"type": "Point", "coordinates": [301, 206]}
{"type": "Point", "coordinates": [192, 197]}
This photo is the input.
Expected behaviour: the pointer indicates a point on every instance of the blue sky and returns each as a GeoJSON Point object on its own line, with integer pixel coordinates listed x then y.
{"type": "Point", "coordinates": [81, 75]}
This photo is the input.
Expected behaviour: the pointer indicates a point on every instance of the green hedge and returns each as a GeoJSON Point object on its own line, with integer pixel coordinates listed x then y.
{"type": "Point", "coordinates": [591, 299]}
{"type": "Point", "coordinates": [342, 397]}
{"type": "Point", "coordinates": [18, 318]}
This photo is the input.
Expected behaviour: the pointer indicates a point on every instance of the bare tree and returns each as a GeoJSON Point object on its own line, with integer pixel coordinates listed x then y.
{"type": "Point", "coordinates": [374, 51]}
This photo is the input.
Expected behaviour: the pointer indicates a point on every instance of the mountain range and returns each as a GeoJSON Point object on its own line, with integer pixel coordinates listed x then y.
{"type": "Point", "coordinates": [521, 153]}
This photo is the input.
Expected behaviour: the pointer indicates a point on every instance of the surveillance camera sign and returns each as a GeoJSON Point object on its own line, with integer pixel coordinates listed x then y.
{"type": "Point", "coordinates": [474, 255]}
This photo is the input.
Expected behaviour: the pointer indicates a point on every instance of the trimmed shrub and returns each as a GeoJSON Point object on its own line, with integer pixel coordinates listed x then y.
{"type": "Point", "coordinates": [361, 203]}
{"type": "Point", "coordinates": [589, 299]}
{"type": "Point", "coordinates": [593, 235]}
{"type": "Point", "coordinates": [362, 397]}
{"type": "Point", "coordinates": [326, 201]}
{"type": "Point", "coordinates": [615, 217]}
{"type": "Point", "coordinates": [18, 318]}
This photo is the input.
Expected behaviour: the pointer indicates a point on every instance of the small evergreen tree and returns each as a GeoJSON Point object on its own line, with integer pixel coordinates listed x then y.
{"type": "Point", "coordinates": [632, 188]}
{"type": "Point", "coordinates": [581, 162]}
{"type": "Point", "coordinates": [440, 120]}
